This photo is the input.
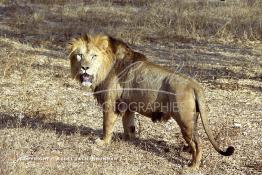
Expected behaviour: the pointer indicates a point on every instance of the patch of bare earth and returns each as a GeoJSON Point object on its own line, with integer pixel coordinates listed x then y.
{"type": "Point", "coordinates": [48, 124]}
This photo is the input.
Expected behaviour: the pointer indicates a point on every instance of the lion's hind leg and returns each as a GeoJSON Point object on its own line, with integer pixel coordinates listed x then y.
{"type": "Point", "coordinates": [188, 126]}
{"type": "Point", "coordinates": [196, 141]}
{"type": "Point", "coordinates": [129, 125]}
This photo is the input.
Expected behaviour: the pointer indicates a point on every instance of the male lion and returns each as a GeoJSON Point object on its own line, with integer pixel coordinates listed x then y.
{"type": "Point", "coordinates": [125, 82]}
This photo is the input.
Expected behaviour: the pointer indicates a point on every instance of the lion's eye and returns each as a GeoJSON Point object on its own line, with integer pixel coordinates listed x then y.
{"type": "Point", "coordinates": [93, 56]}
{"type": "Point", "coordinates": [79, 57]}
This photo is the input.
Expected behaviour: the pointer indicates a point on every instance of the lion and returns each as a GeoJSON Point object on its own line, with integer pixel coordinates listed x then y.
{"type": "Point", "coordinates": [124, 82]}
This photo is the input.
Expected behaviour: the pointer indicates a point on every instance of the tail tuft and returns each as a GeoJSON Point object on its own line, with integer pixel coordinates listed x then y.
{"type": "Point", "coordinates": [230, 150]}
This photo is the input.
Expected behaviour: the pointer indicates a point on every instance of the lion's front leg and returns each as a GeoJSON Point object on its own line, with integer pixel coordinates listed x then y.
{"type": "Point", "coordinates": [109, 119]}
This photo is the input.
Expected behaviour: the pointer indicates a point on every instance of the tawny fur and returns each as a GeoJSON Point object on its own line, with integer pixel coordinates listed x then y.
{"type": "Point", "coordinates": [127, 77]}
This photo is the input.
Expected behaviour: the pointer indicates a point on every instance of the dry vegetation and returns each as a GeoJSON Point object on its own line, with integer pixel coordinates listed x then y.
{"type": "Point", "coordinates": [46, 115]}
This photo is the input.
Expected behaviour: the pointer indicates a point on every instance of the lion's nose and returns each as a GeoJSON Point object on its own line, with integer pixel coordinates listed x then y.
{"type": "Point", "coordinates": [85, 67]}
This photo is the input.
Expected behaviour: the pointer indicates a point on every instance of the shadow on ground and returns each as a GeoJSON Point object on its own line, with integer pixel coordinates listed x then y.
{"type": "Point", "coordinates": [159, 148]}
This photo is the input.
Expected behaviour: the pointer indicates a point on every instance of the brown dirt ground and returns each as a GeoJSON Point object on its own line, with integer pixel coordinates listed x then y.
{"type": "Point", "coordinates": [48, 124]}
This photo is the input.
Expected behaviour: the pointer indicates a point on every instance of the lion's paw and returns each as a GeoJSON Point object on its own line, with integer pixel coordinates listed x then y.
{"type": "Point", "coordinates": [191, 169]}
{"type": "Point", "coordinates": [100, 142]}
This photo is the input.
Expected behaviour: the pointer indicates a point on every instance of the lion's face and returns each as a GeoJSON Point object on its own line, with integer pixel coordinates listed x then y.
{"type": "Point", "coordinates": [89, 59]}
{"type": "Point", "coordinates": [88, 63]}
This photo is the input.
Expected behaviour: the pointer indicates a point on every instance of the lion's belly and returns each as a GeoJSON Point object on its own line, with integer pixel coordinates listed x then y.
{"type": "Point", "coordinates": [158, 116]}
{"type": "Point", "coordinates": [148, 100]}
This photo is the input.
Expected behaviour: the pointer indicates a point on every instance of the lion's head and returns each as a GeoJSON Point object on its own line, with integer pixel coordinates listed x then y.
{"type": "Point", "coordinates": [91, 59]}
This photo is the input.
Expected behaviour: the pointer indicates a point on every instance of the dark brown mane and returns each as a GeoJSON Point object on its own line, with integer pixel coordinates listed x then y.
{"type": "Point", "coordinates": [114, 43]}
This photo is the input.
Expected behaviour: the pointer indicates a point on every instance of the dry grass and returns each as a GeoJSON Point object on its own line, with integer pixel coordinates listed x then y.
{"type": "Point", "coordinates": [48, 125]}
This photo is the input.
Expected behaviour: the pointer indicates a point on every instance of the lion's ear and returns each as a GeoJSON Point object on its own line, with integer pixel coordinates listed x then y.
{"type": "Point", "coordinates": [103, 42]}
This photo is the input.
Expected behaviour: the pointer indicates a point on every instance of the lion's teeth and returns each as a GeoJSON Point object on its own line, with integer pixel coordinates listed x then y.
{"type": "Point", "coordinates": [86, 83]}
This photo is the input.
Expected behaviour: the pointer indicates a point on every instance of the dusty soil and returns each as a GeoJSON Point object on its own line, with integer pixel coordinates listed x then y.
{"type": "Point", "coordinates": [48, 124]}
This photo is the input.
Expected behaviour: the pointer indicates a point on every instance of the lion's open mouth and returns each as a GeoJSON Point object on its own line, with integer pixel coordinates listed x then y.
{"type": "Point", "coordinates": [86, 79]}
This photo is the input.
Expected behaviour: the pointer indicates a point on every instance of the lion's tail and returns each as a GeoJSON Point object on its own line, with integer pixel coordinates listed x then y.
{"type": "Point", "coordinates": [200, 102]}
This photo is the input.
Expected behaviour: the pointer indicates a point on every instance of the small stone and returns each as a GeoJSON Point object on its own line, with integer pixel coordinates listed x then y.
{"type": "Point", "coordinates": [237, 125]}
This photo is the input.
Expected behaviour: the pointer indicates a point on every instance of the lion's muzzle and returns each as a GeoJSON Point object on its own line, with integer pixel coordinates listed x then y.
{"type": "Point", "coordinates": [86, 79]}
